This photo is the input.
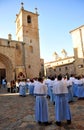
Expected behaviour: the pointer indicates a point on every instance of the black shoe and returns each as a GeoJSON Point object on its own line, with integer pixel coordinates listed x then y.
{"type": "Point", "coordinates": [68, 122]}
{"type": "Point", "coordinates": [58, 123]}
{"type": "Point", "coordinates": [20, 95]}
{"type": "Point", "coordinates": [23, 95]}
{"type": "Point", "coordinates": [39, 122]}
{"type": "Point", "coordinates": [53, 103]}
{"type": "Point", "coordinates": [47, 123]}
{"type": "Point", "coordinates": [48, 96]}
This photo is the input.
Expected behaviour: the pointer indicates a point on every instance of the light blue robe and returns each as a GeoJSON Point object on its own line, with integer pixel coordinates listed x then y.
{"type": "Point", "coordinates": [62, 109]}
{"type": "Point", "coordinates": [80, 91]}
{"type": "Point", "coordinates": [41, 109]}
{"type": "Point", "coordinates": [41, 105]}
{"type": "Point", "coordinates": [31, 89]}
{"type": "Point", "coordinates": [70, 93]}
{"type": "Point", "coordinates": [22, 89]}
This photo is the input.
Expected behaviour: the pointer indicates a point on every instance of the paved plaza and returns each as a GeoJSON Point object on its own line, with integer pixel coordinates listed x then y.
{"type": "Point", "coordinates": [17, 113]}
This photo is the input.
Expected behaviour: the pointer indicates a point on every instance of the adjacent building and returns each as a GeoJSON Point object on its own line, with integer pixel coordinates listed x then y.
{"type": "Point", "coordinates": [67, 65]}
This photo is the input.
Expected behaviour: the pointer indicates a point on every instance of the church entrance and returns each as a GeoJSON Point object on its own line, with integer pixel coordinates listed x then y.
{"type": "Point", "coordinates": [2, 74]}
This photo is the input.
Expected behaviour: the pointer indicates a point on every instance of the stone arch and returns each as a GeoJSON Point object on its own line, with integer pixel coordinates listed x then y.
{"type": "Point", "coordinates": [8, 66]}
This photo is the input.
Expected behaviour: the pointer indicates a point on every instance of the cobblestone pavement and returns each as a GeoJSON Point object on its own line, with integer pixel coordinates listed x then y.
{"type": "Point", "coordinates": [17, 113]}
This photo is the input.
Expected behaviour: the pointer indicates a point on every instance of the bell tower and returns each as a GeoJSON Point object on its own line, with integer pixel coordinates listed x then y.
{"type": "Point", "coordinates": [27, 31]}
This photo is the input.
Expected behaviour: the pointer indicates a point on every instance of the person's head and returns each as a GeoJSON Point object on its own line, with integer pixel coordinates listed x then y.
{"type": "Point", "coordinates": [59, 77]}
{"type": "Point", "coordinates": [40, 79]}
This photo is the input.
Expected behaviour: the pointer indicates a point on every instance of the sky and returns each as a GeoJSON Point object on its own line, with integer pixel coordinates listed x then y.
{"type": "Point", "coordinates": [56, 19]}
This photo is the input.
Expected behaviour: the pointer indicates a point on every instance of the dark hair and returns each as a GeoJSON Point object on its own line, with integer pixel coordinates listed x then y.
{"type": "Point", "coordinates": [40, 79]}
{"type": "Point", "coordinates": [59, 77]}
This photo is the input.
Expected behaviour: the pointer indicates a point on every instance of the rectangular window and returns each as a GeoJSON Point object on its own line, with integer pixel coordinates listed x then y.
{"type": "Point", "coordinates": [66, 68]}
{"type": "Point", "coordinates": [59, 69]}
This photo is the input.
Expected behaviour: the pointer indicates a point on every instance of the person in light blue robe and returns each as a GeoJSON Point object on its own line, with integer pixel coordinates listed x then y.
{"type": "Point", "coordinates": [22, 88]}
{"type": "Point", "coordinates": [62, 109]}
{"type": "Point", "coordinates": [70, 90]}
{"type": "Point", "coordinates": [41, 105]}
{"type": "Point", "coordinates": [31, 87]}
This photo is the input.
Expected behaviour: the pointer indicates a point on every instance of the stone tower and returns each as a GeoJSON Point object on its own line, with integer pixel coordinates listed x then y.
{"type": "Point", "coordinates": [27, 31]}
{"type": "Point", "coordinates": [78, 46]}
{"type": "Point", "coordinates": [55, 56]}
{"type": "Point", "coordinates": [64, 53]}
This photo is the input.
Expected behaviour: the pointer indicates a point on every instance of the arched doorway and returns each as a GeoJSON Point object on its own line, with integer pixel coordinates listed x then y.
{"type": "Point", "coordinates": [6, 68]}
{"type": "Point", "coordinates": [2, 74]}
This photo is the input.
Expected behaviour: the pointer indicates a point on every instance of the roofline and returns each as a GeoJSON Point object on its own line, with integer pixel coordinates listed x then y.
{"type": "Point", "coordinates": [76, 28]}
{"type": "Point", "coordinates": [60, 59]}
{"type": "Point", "coordinates": [4, 39]}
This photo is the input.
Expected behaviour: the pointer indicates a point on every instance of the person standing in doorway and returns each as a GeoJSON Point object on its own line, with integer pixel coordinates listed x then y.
{"type": "Point", "coordinates": [4, 82]}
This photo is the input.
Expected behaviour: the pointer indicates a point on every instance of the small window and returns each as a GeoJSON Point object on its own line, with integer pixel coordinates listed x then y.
{"type": "Point", "coordinates": [31, 49]}
{"type": "Point", "coordinates": [66, 68]}
{"type": "Point", "coordinates": [30, 41]}
{"type": "Point", "coordinates": [80, 66]}
{"type": "Point", "coordinates": [18, 23]}
{"type": "Point", "coordinates": [55, 70]}
{"type": "Point", "coordinates": [26, 31]}
{"type": "Point", "coordinates": [8, 43]}
{"type": "Point", "coordinates": [29, 66]}
{"type": "Point", "coordinates": [59, 69]}
{"type": "Point", "coordinates": [17, 47]}
{"type": "Point", "coordinates": [28, 19]}
{"type": "Point", "coordinates": [41, 64]}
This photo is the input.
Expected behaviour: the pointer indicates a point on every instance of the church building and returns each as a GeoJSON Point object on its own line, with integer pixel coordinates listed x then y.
{"type": "Point", "coordinates": [21, 56]}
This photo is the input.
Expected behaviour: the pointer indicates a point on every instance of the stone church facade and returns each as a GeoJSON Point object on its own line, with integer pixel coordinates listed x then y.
{"type": "Point", "coordinates": [21, 55]}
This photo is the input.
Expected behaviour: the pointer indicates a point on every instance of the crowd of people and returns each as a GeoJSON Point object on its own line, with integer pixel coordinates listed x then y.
{"type": "Point", "coordinates": [59, 90]}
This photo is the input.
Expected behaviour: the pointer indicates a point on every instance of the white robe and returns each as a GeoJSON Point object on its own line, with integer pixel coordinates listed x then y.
{"type": "Point", "coordinates": [60, 87]}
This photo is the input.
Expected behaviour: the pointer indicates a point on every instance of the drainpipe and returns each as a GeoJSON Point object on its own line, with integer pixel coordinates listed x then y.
{"type": "Point", "coordinates": [23, 58]}
{"type": "Point", "coordinates": [82, 45]}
